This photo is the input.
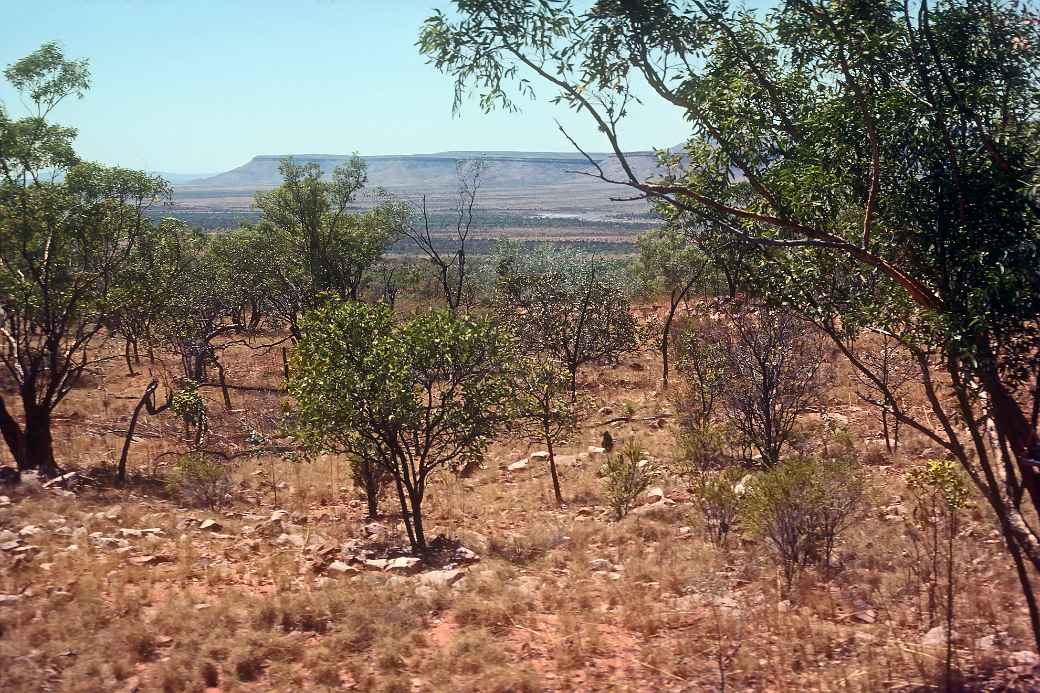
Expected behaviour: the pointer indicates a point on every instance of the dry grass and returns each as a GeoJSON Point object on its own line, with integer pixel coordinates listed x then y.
{"type": "Point", "coordinates": [562, 599]}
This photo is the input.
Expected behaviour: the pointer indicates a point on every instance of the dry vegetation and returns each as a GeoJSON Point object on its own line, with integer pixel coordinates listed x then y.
{"type": "Point", "coordinates": [113, 588]}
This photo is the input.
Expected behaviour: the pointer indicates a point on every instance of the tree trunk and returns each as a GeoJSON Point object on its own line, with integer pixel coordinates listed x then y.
{"type": "Point", "coordinates": [552, 471]}
{"type": "Point", "coordinates": [665, 338]}
{"type": "Point", "coordinates": [39, 445]}
{"type": "Point", "coordinates": [13, 436]}
{"type": "Point", "coordinates": [223, 385]}
{"type": "Point", "coordinates": [415, 499]}
{"type": "Point", "coordinates": [121, 470]}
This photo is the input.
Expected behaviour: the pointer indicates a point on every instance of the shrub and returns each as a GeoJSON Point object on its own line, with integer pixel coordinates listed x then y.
{"type": "Point", "coordinates": [801, 507]}
{"type": "Point", "coordinates": [715, 494]}
{"type": "Point", "coordinates": [702, 447]}
{"type": "Point", "coordinates": [626, 475]}
{"type": "Point", "coordinates": [199, 479]}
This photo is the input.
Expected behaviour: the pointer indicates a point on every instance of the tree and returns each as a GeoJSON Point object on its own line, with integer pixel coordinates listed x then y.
{"type": "Point", "coordinates": [320, 233]}
{"type": "Point", "coordinates": [450, 268]}
{"type": "Point", "coordinates": [545, 412]}
{"type": "Point", "coordinates": [669, 261]}
{"type": "Point", "coordinates": [565, 304]}
{"type": "Point", "coordinates": [770, 362]}
{"type": "Point", "coordinates": [412, 397]}
{"type": "Point", "coordinates": [67, 231]}
{"type": "Point", "coordinates": [881, 156]}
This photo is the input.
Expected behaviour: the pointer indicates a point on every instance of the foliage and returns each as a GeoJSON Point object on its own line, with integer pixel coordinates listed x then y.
{"type": "Point", "coordinates": [715, 493]}
{"type": "Point", "coordinates": [770, 362]}
{"type": "Point", "coordinates": [626, 475]}
{"type": "Point", "coordinates": [544, 410]}
{"type": "Point", "coordinates": [68, 229]}
{"type": "Point", "coordinates": [801, 507]}
{"type": "Point", "coordinates": [880, 158]}
{"type": "Point", "coordinates": [199, 479]}
{"type": "Point", "coordinates": [565, 304]}
{"type": "Point", "coordinates": [702, 448]}
{"type": "Point", "coordinates": [413, 397]}
{"type": "Point", "coordinates": [322, 245]}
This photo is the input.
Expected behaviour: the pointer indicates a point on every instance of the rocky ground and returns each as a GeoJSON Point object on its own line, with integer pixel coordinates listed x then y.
{"type": "Point", "coordinates": [289, 586]}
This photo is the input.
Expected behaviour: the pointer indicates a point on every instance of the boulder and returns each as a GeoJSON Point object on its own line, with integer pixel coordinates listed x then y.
{"type": "Point", "coordinates": [540, 456]}
{"type": "Point", "coordinates": [601, 564]}
{"type": "Point", "coordinates": [9, 599]}
{"type": "Point", "coordinates": [211, 525]}
{"type": "Point", "coordinates": [517, 466]}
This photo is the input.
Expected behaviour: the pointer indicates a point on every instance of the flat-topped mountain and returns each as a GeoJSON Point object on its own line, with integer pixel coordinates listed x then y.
{"type": "Point", "coordinates": [431, 172]}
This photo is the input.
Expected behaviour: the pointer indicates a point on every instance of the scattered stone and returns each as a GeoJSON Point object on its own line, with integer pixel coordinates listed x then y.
{"type": "Point", "coordinates": [441, 578]}
{"type": "Point", "coordinates": [784, 606]}
{"type": "Point", "coordinates": [866, 616]}
{"type": "Point", "coordinates": [605, 411]}
{"type": "Point", "coordinates": [464, 555]}
{"type": "Point", "coordinates": [517, 466]}
{"type": "Point", "coordinates": [375, 529]}
{"type": "Point", "coordinates": [540, 456]}
{"type": "Point", "coordinates": [294, 539]}
{"type": "Point", "coordinates": [1024, 657]}
{"type": "Point", "coordinates": [652, 509]}
{"type": "Point", "coordinates": [7, 535]}
{"type": "Point", "coordinates": [653, 495]}
{"type": "Point", "coordinates": [128, 532]}
{"type": "Point", "coordinates": [4, 501]}
{"type": "Point", "coordinates": [741, 487]}
{"type": "Point", "coordinates": [211, 525]}
{"type": "Point", "coordinates": [377, 563]}
{"type": "Point", "coordinates": [988, 642]}
{"type": "Point", "coordinates": [403, 564]}
{"type": "Point", "coordinates": [685, 531]}
{"type": "Point", "coordinates": [936, 637]}
{"type": "Point", "coordinates": [341, 568]}
{"type": "Point", "coordinates": [151, 559]}
{"type": "Point", "coordinates": [30, 530]}
{"type": "Point", "coordinates": [9, 598]}
{"type": "Point", "coordinates": [601, 564]}
{"type": "Point", "coordinates": [594, 450]}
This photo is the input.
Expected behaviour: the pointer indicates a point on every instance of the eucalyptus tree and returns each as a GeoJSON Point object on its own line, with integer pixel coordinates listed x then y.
{"type": "Point", "coordinates": [669, 261]}
{"type": "Point", "coordinates": [566, 304]}
{"type": "Point", "coordinates": [881, 155]}
{"type": "Point", "coordinates": [544, 411]}
{"type": "Point", "coordinates": [449, 263]}
{"type": "Point", "coordinates": [67, 230]}
{"type": "Point", "coordinates": [322, 232]}
{"type": "Point", "coordinates": [412, 398]}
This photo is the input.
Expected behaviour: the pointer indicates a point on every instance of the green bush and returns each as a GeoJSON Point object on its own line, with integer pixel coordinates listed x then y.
{"type": "Point", "coordinates": [626, 475]}
{"type": "Point", "coordinates": [200, 480]}
{"type": "Point", "coordinates": [715, 495]}
{"type": "Point", "coordinates": [801, 507]}
{"type": "Point", "coordinates": [702, 447]}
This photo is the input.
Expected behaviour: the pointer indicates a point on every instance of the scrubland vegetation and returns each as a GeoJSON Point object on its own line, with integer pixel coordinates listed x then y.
{"type": "Point", "coordinates": [792, 444]}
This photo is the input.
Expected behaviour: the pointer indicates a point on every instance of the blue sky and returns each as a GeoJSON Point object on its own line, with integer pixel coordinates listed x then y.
{"type": "Point", "coordinates": [196, 87]}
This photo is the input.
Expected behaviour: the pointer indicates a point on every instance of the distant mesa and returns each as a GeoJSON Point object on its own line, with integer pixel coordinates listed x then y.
{"type": "Point", "coordinates": [436, 172]}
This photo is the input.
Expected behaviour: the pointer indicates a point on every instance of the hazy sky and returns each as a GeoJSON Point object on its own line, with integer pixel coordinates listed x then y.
{"type": "Point", "coordinates": [195, 86]}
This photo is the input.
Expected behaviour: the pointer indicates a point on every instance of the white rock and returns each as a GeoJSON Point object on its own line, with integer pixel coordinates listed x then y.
{"type": "Point", "coordinates": [4, 501]}
{"type": "Point", "coordinates": [9, 598]}
{"type": "Point", "coordinates": [211, 525]}
{"type": "Point", "coordinates": [517, 466]}
{"type": "Point", "coordinates": [540, 456]}
{"type": "Point", "coordinates": [593, 450]}
{"type": "Point", "coordinates": [377, 563]}
{"type": "Point", "coordinates": [464, 554]}
{"type": "Point", "coordinates": [341, 568]}
{"type": "Point", "coordinates": [30, 530]}
{"type": "Point", "coordinates": [988, 642]}
{"type": "Point", "coordinates": [936, 637]}
{"type": "Point", "coordinates": [7, 535]}
{"type": "Point", "coordinates": [653, 495]}
{"type": "Point", "coordinates": [1024, 657]}
{"type": "Point", "coordinates": [601, 564]}
{"type": "Point", "coordinates": [402, 564]}
{"type": "Point", "coordinates": [441, 578]}
{"type": "Point", "coordinates": [742, 486]}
